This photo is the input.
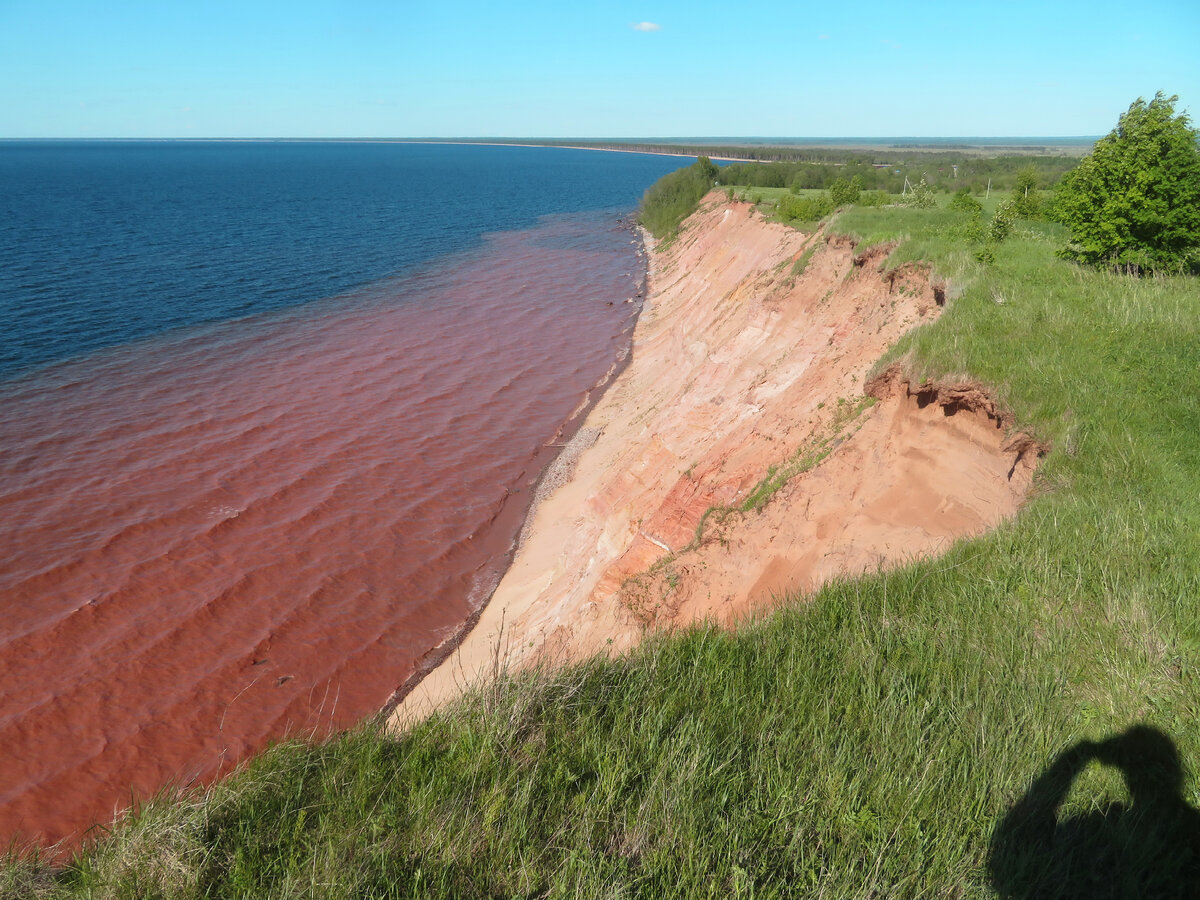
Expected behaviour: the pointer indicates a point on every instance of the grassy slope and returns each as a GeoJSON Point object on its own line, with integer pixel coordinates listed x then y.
{"type": "Point", "coordinates": [865, 743]}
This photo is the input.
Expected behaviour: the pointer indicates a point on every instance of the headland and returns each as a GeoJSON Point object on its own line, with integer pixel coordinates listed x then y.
{"type": "Point", "coordinates": [748, 450]}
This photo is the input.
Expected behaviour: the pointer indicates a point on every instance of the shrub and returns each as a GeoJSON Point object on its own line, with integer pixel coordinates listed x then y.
{"type": "Point", "coordinates": [844, 192]}
{"type": "Point", "coordinates": [804, 209]}
{"type": "Point", "coordinates": [1026, 202]}
{"type": "Point", "coordinates": [921, 196]}
{"type": "Point", "coordinates": [1002, 222]}
{"type": "Point", "coordinates": [964, 202]}
{"type": "Point", "coordinates": [873, 198]}
{"type": "Point", "coordinates": [1134, 203]}
{"type": "Point", "coordinates": [675, 196]}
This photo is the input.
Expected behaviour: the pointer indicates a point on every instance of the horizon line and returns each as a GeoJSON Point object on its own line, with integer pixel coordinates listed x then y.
{"type": "Point", "coordinates": [744, 139]}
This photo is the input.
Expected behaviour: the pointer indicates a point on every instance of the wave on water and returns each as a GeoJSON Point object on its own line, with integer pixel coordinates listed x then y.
{"type": "Point", "coordinates": [237, 531]}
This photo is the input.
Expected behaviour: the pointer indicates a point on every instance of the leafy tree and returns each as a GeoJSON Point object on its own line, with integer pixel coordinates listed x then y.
{"type": "Point", "coordinates": [845, 191]}
{"type": "Point", "coordinates": [1026, 201]}
{"type": "Point", "coordinates": [1027, 180]}
{"type": "Point", "coordinates": [675, 196]}
{"type": "Point", "coordinates": [1135, 201]}
{"type": "Point", "coordinates": [1002, 222]}
{"type": "Point", "coordinates": [921, 196]}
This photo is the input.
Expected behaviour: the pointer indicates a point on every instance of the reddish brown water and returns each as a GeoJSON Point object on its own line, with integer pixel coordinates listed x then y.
{"type": "Point", "coordinates": [217, 538]}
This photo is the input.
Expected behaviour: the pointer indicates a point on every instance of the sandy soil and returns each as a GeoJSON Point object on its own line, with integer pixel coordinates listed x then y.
{"type": "Point", "coordinates": [739, 364]}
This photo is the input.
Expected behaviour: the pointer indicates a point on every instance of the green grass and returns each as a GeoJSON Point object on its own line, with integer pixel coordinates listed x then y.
{"type": "Point", "coordinates": [764, 194]}
{"type": "Point", "coordinates": [865, 742]}
{"type": "Point", "coordinates": [805, 458]}
{"type": "Point", "coordinates": [801, 264]}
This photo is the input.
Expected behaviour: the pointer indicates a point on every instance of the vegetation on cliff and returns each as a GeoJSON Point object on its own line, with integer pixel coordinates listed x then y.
{"type": "Point", "coordinates": [842, 177]}
{"type": "Point", "coordinates": [674, 197]}
{"type": "Point", "coordinates": [945, 174]}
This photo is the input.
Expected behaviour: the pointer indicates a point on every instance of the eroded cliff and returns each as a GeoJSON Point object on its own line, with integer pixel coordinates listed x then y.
{"type": "Point", "coordinates": [743, 453]}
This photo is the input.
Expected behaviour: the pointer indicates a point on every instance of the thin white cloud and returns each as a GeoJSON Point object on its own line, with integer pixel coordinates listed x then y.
{"type": "Point", "coordinates": [646, 26]}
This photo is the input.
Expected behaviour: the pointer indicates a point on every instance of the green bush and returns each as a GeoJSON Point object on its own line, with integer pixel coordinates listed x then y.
{"type": "Point", "coordinates": [921, 196]}
{"type": "Point", "coordinates": [804, 209]}
{"type": "Point", "coordinates": [873, 198]}
{"type": "Point", "coordinates": [1002, 222]}
{"type": "Point", "coordinates": [974, 230]}
{"type": "Point", "coordinates": [1025, 198]}
{"type": "Point", "coordinates": [844, 192]}
{"type": "Point", "coordinates": [1134, 203]}
{"type": "Point", "coordinates": [964, 202]}
{"type": "Point", "coordinates": [675, 196]}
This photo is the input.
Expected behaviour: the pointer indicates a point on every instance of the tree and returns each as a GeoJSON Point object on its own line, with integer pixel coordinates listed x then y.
{"type": "Point", "coordinates": [921, 196]}
{"type": "Point", "coordinates": [845, 191]}
{"type": "Point", "coordinates": [1003, 218]}
{"type": "Point", "coordinates": [1024, 195]}
{"type": "Point", "coordinates": [675, 196]}
{"type": "Point", "coordinates": [1134, 203]}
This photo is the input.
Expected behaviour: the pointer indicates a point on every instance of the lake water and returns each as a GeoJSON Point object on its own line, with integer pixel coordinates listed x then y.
{"type": "Point", "coordinates": [270, 414]}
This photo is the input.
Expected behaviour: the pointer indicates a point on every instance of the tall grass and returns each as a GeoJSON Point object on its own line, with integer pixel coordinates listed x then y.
{"type": "Point", "coordinates": [865, 741]}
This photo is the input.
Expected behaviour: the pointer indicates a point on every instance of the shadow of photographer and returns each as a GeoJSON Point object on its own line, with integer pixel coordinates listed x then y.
{"type": "Point", "coordinates": [1149, 848]}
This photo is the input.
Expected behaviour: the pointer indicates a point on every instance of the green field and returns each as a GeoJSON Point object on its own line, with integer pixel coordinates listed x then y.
{"type": "Point", "coordinates": [871, 740]}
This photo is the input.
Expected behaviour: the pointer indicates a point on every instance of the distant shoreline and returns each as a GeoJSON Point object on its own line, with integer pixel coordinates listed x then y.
{"type": "Point", "coordinates": [722, 149]}
{"type": "Point", "coordinates": [598, 147]}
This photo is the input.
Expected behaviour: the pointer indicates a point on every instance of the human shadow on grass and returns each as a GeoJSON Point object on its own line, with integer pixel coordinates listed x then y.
{"type": "Point", "coordinates": [1149, 848]}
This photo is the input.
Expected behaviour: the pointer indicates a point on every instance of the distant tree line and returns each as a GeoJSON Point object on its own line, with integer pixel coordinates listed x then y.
{"type": "Point", "coordinates": [942, 172]}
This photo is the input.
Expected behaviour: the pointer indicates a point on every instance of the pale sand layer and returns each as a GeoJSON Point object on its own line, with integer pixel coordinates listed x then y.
{"type": "Point", "coordinates": [737, 364]}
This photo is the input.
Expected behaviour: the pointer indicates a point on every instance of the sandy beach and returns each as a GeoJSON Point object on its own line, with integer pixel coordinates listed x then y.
{"type": "Point", "coordinates": [754, 356]}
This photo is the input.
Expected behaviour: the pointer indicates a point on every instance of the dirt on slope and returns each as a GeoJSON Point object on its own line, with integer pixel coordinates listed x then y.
{"type": "Point", "coordinates": [743, 362]}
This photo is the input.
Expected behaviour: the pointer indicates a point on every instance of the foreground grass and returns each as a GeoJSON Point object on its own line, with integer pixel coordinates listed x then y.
{"type": "Point", "coordinates": [867, 741]}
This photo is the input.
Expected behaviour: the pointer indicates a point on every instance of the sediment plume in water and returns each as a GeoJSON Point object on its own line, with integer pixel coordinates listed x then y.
{"type": "Point", "coordinates": [248, 530]}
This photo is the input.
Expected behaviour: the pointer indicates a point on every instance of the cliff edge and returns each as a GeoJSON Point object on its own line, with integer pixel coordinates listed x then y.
{"type": "Point", "coordinates": [743, 453]}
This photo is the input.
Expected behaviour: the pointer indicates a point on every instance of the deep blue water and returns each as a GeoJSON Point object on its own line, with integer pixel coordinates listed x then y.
{"type": "Point", "coordinates": [102, 243]}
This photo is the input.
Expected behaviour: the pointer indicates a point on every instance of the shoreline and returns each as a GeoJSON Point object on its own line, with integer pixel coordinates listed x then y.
{"type": "Point", "coordinates": [570, 147]}
{"type": "Point", "coordinates": [566, 437]}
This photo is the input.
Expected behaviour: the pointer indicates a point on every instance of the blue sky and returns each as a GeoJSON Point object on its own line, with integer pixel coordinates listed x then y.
{"type": "Point", "coordinates": [456, 68]}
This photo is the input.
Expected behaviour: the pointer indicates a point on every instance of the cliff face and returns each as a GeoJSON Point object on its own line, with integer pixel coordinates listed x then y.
{"type": "Point", "coordinates": [743, 362]}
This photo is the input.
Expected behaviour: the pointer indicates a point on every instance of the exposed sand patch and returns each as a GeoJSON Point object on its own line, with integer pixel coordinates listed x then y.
{"type": "Point", "coordinates": [738, 364]}
{"type": "Point", "coordinates": [920, 470]}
